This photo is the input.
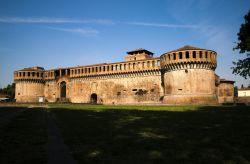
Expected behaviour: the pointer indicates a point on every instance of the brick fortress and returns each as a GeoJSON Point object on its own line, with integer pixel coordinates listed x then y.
{"type": "Point", "coordinates": [182, 76]}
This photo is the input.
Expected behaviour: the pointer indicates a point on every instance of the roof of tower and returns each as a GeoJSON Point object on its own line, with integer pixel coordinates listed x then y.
{"type": "Point", "coordinates": [187, 47]}
{"type": "Point", "coordinates": [140, 50]}
{"type": "Point", "coordinates": [36, 68]}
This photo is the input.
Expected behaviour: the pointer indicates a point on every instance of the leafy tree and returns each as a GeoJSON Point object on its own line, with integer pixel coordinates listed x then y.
{"type": "Point", "coordinates": [242, 67]}
{"type": "Point", "coordinates": [9, 90]}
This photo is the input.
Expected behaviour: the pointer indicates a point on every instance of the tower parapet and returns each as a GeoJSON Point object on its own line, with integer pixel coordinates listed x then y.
{"type": "Point", "coordinates": [188, 57]}
{"type": "Point", "coordinates": [29, 84]}
{"type": "Point", "coordinates": [189, 76]}
{"type": "Point", "coordinates": [31, 74]}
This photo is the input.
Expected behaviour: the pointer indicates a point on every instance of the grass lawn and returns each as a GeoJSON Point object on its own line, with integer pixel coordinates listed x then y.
{"type": "Point", "coordinates": [129, 134]}
{"type": "Point", "coordinates": [156, 134]}
{"type": "Point", "coordinates": [23, 138]}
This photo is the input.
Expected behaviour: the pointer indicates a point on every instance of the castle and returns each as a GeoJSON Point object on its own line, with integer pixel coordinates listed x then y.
{"type": "Point", "coordinates": [182, 76]}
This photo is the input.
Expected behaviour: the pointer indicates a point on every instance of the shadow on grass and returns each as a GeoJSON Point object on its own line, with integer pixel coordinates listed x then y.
{"type": "Point", "coordinates": [23, 136]}
{"type": "Point", "coordinates": [208, 135]}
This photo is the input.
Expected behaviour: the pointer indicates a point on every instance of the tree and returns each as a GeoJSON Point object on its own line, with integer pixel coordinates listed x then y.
{"type": "Point", "coordinates": [9, 90]}
{"type": "Point", "coordinates": [242, 67]}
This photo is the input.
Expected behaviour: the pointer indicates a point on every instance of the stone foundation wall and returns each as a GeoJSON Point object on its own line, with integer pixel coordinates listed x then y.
{"type": "Point", "coordinates": [113, 89]}
{"type": "Point", "coordinates": [226, 93]}
{"type": "Point", "coordinates": [28, 91]}
{"type": "Point", "coordinates": [190, 86]}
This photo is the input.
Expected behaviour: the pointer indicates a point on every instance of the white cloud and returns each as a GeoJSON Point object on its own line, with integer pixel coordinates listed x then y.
{"type": "Point", "coordinates": [53, 20]}
{"type": "Point", "coordinates": [162, 25]}
{"type": "Point", "coordinates": [82, 31]}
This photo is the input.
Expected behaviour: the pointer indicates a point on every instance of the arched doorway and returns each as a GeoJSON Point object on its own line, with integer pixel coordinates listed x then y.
{"type": "Point", "coordinates": [63, 89]}
{"type": "Point", "coordinates": [93, 98]}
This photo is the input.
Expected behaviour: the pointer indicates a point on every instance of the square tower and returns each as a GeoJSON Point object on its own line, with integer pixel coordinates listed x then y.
{"type": "Point", "coordinates": [138, 54]}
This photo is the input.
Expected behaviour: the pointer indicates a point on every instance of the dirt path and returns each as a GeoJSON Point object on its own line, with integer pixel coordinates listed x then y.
{"type": "Point", "coordinates": [58, 152]}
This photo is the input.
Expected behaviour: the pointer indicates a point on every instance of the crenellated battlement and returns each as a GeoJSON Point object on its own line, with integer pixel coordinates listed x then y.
{"type": "Point", "coordinates": [116, 68]}
{"type": "Point", "coordinates": [30, 74]}
{"type": "Point", "coordinates": [189, 57]}
{"type": "Point", "coordinates": [98, 69]}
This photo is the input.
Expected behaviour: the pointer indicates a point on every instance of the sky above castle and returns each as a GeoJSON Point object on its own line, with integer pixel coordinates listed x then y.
{"type": "Point", "coordinates": [65, 33]}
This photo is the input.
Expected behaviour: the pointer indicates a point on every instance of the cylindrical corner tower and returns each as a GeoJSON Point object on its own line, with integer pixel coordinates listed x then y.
{"type": "Point", "coordinates": [188, 76]}
{"type": "Point", "coordinates": [29, 84]}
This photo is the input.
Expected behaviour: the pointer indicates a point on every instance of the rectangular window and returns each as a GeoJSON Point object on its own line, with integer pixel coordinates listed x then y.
{"type": "Point", "coordinates": [194, 54]}
{"type": "Point", "coordinates": [174, 56]}
{"type": "Point", "coordinates": [180, 55]}
{"type": "Point", "coordinates": [200, 54]}
{"type": "Point", "coordinates": [187, 55]}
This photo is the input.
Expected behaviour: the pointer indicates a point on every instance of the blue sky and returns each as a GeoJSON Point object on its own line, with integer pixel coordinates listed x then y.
{"type": "Point", "coordinates": [62, 33]}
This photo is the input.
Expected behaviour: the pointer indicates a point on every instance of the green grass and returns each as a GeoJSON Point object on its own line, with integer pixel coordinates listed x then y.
{"type": "Point", "coordinates": [23, 139]}
{"type": "Point", "coordinates": [124, 107]}
{"type": "Point", "coordinates": [103, 134]}
{"type": "Point", "coordinates": [130, 134]}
